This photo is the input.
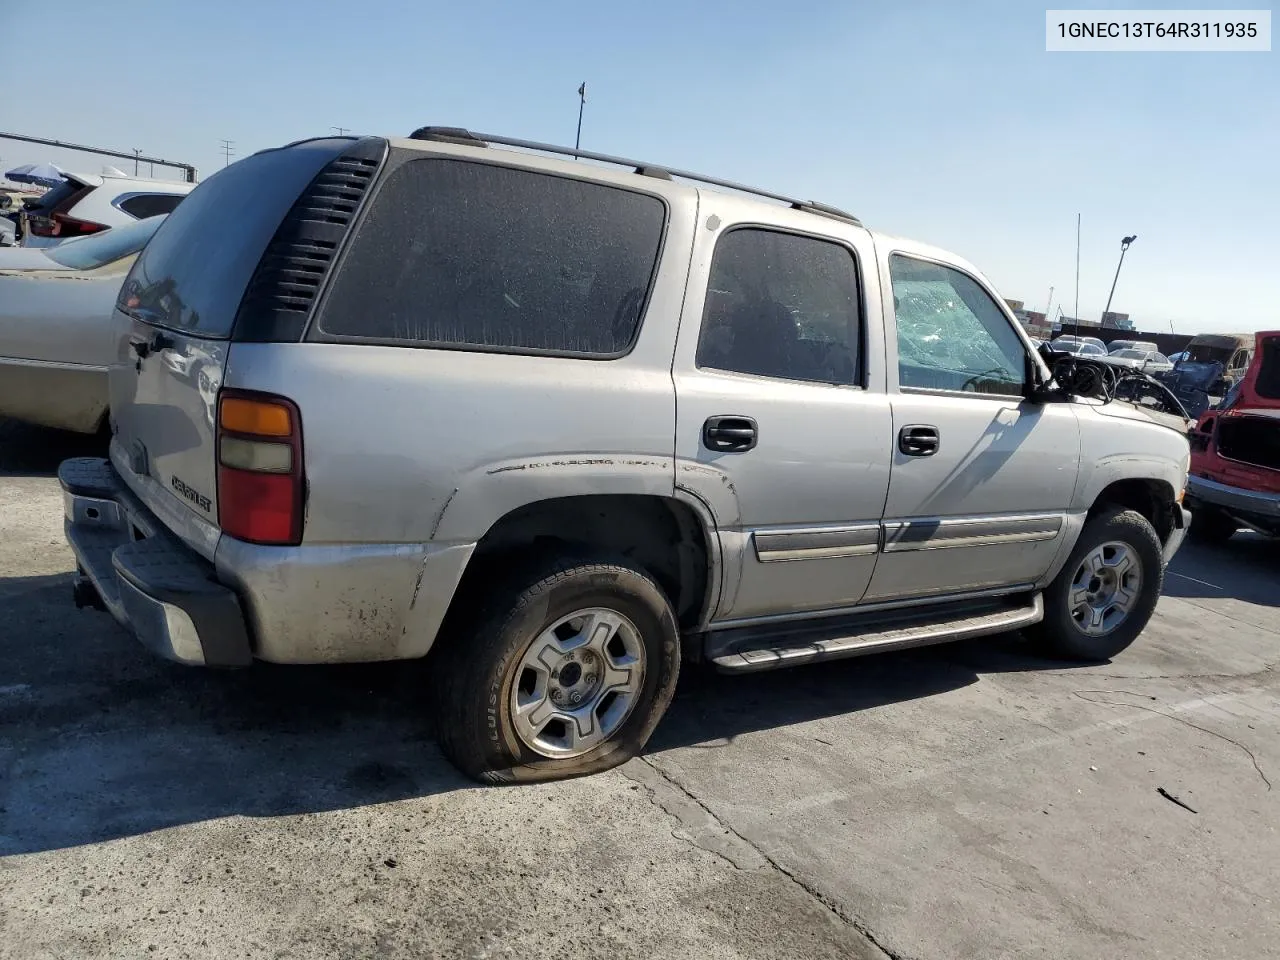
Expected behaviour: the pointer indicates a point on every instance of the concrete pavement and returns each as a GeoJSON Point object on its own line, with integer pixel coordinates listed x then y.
{"type": "Point", "coordinates": [965, 801]}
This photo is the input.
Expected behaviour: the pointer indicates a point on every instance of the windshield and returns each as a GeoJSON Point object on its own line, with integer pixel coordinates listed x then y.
{"type": "Point", "coordinates": [89, 253]}
{"type": "Point", "coordinates": [1131, 354]}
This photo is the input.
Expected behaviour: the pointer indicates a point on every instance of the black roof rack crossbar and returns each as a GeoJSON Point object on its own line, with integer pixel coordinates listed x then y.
{"type": "Point", "coordinates": [458, 135]}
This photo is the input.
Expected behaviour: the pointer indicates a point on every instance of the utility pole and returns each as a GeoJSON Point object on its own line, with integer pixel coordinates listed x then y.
{"type": "Point", "coordinates": [1077, 313]}
{"type": "Point", "coordinates": [582, 102]}
{"type": "Point", "coordinates": [228, 151]}
{"type": "Point", "coordinates": [136, 154]}
{"type": "Point", "coordinates": [1124, 245]}
{"type": "Point", "coordinates": [341, 131]}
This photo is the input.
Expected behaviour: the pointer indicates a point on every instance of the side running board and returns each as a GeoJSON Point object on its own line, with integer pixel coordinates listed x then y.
{"type": "Point", "coordinates": [749, 649]}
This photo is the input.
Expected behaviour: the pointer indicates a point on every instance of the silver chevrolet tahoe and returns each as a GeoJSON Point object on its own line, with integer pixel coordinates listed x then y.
{"type": "Point", "coordinates": [560, 423]}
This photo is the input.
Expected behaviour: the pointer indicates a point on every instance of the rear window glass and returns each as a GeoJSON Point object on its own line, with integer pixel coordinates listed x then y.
{"type": "Point", "coordinates": [144, 205]}
{"type": "Point", "coordinates": [58, 195]}
{"type": "Point", "coordinates": [89, 253]}
{"type": "Point", "coordinates": [193, 273]}
{"type": "Point", "coordinates": [474, 256]}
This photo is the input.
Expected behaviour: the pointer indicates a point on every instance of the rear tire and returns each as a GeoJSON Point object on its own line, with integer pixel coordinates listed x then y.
{"type": "Point", "coordinates": [1211, 525]}
{"type": "Point", "coordinates": [563, 671]}
{"type": "Point", "coordinates": [1105, 593]}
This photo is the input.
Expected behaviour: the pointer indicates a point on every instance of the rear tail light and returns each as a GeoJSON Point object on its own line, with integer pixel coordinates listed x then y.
{"type": "Point", "coordinates": [65, 226]}
{"type": "Point", "coordinates": [260, 481]}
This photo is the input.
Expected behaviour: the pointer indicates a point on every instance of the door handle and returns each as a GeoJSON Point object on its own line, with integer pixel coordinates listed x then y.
{"type": "Point", "coordinates": [736, 434]}
{"type": "Point", "coordinates": [919, 440]}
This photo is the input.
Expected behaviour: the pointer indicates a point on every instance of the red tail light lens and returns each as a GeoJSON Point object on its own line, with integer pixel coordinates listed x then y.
{"type": "Point", "coordinates": [260, 482]}
{"type": "Point", "coordinates": [64, 226]}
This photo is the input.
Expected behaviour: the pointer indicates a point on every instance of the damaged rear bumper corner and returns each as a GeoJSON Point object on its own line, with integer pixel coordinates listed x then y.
{"type": "Point", "coordinates": [152, 584]}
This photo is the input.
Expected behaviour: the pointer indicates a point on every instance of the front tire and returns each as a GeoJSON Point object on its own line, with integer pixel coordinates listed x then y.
{"type": "Point", "coordinates": [565, 671]}
{"type": "Point", "coordinates": [1106, 592]}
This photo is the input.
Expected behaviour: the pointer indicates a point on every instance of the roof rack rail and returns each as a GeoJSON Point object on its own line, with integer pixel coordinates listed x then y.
{"type": "Point", "coordinates": [459, 135]}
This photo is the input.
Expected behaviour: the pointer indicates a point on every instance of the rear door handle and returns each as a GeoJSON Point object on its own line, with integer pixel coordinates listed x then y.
{"type": "Point", "coordinates": [919, 440]}
{"type": "Point", "coordinates": [730, 433]}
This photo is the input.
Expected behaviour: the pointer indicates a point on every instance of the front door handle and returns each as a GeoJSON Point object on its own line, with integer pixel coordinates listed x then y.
{"type": "Point", "coordinates": [919, 440]}
{"type": "Point", "coordinates": [730, 434]}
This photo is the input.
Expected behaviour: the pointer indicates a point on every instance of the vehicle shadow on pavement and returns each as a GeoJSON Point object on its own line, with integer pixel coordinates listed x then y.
{"type": "Point", "coordinates": [100, 740]}
{"type": "Point", "coordinates": [1246, 568]}
{"type": "Point", "coordinates": [30, 451]}
{"type": "Point", "coordinates": [711, 709]}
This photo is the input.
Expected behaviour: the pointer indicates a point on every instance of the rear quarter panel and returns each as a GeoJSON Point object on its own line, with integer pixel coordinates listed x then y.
{"type": "Point", "coordinates": [411, 455]}
{"type": "Point", "coordinates": [416, 445]}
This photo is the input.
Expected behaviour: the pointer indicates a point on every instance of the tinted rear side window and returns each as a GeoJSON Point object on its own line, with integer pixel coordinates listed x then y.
{"type": "Point", "coordinates": [473, 256]}
{"type": "Point", "coordinates": [194, 271]}
{"type": "Point", "coordinates": [145, 205]}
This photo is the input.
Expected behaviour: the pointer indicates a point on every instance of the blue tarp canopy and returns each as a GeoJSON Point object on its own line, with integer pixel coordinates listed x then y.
{"type": "Point", "coordinates": [44, 174]}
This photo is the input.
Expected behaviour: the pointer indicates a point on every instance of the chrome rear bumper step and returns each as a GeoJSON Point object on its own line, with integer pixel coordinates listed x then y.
{"type": "Point", "coordinates": [750, 650]}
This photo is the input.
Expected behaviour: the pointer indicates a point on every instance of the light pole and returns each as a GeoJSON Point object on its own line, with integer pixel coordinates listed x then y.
{"type": "Point", "coordinates": [1124, 245]}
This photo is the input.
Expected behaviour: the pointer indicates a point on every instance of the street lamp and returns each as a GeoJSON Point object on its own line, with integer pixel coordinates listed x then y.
{"type": "Point", "coordinates": [1124, 245]}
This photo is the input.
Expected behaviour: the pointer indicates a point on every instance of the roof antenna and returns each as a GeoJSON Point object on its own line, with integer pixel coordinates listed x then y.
{"type": "Point", "coordinates": [582, 102]}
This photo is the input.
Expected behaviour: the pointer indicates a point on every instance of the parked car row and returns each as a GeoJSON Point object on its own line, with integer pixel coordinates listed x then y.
{"type": "Point", "coordinates": [1200, 376]}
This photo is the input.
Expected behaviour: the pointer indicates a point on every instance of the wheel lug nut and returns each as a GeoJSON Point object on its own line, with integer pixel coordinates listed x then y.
{"type": "Point", "coordinates": [575, 697]}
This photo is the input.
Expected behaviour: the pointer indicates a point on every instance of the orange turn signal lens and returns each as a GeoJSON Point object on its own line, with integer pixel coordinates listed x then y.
{"type": "Point", "coordinates": [256, 417]}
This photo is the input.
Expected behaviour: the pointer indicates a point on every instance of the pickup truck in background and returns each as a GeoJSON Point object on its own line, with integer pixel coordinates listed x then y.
{"type": "Point", "coordinates": [1235, 453]}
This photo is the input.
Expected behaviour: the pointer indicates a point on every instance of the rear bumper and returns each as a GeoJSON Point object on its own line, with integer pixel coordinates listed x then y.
{"type": "Point", "coordinates": [1234, 499]}
{"type": "Point", "coordinates": [152, 583]}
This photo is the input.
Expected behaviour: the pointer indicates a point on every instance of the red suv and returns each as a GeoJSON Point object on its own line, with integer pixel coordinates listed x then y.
{"type": "Point", "coordinates": [1235, 454]}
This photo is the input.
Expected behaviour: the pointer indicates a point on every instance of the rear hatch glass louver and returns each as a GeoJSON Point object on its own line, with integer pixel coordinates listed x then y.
{"type": "Point", "coordinates": [287, 280]}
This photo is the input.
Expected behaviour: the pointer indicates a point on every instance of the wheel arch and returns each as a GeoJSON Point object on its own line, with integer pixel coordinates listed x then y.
{"type": "Point", "coordinates": [1155, 499]}
{"type": "Point", "coordinates": [671, 537]}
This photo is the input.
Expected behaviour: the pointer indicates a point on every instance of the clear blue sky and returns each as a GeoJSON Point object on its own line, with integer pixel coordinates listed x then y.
{"type": "Point", "coordinates": [946, 122]}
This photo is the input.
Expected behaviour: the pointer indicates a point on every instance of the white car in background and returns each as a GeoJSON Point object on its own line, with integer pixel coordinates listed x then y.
{"type": "Point", "coordinates": [85, 204]}
{"type": "Point", "coordinates": [1148, 361]}
{"type": "Point", "coordinates": [1062, 342]}
{"type": "Point", "coordinates": [1115, 346]}
{"type": "Point", "coordinates": [55, 326]}
{"type": "Point", "coordinates": [1080, 348]}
